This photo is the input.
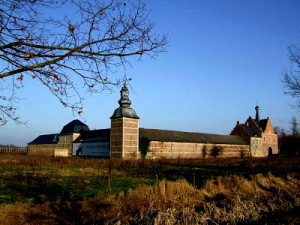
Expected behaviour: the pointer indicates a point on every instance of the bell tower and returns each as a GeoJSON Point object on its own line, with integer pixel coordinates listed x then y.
{"type": "Point", "coordinates": [124, 133]}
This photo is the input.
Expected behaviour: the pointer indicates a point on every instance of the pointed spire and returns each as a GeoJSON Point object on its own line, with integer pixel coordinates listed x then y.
{"type": "Point", "coordinates": [257, 117]}
{"type": "Point", "coordinates": [124, 110]}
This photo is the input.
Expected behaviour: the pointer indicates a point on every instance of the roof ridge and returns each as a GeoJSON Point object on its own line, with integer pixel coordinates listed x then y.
{"type": "Point", "coordinates": [246, 130]}
{"type": "Point", "coordinates": [257, 125]}
{"type": "Point", "coordinates": [190, 132]}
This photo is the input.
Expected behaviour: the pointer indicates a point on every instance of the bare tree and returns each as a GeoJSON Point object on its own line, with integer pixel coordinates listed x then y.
{"type": "Point", "coordinates": [71, 44]}
{"type": "Point", "coordinates": [291, 79]}
{"type": "Point", "coordinates": [279, 131]}
{"type": "Point", "coordinates": [294, 127]}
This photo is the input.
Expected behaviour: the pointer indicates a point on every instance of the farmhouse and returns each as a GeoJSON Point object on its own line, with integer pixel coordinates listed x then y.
{"type": "Point", "coordinates": [124, 139]}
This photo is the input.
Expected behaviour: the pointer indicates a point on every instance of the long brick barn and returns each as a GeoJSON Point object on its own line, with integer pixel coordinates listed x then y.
{"type": "Point", "coordinates": [126, 140]}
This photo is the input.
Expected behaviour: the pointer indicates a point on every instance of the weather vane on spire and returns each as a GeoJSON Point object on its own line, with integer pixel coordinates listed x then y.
{"type": "Point", "coordinates": [125, 80]}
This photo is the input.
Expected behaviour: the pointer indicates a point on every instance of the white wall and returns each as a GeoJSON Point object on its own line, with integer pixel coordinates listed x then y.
{"type": "Point", "coordinates": [101, 149]}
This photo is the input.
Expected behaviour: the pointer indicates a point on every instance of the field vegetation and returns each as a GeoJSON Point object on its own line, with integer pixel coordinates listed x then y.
{"type": "Point", "coordinates": [45, 190]}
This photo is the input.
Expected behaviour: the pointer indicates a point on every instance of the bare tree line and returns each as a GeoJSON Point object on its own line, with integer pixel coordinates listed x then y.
{"type": "Point", "coordinates": [70, 46]}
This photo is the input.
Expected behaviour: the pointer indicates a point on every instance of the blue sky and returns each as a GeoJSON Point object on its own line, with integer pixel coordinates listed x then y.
{"type": "Point", "coordinates": [224, 56]}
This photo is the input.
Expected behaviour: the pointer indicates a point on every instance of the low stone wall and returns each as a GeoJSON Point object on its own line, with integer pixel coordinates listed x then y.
{"type": "Point", "coordinates": [65, 147]}
{"type": "Point", "coordinates": [41, 149]}
{"type": "Point", "coordinates": [158, 149]}
{"type": "Point", "coordinates": [61, 153]}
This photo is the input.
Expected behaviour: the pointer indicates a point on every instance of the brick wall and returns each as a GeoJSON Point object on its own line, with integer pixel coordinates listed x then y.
{"type": "Point", "coordinates": [41, 149]}
{"type": "Point", "coordinates": [270, 139]}
{"type": "Point", "coordinates": [124, 138]}
{"type": "Point", "coordinates": [159, 149]}
{"type": "Point", "coordinates": [116, 138]}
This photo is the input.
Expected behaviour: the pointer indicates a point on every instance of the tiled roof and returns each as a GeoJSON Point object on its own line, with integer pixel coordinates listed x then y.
{"type": "Point", "coordinates": [76, 126]}
{"type": "Point", "coordinates": [189, 137]}
{"type": "Point", "coordinates": [249, 130]}
{"type": "Point", "coordinates": [103, 135]}
{"type": "Point", "coordinates": [263, 123]}
{"type": "Point", "coordinates": [165, 135]}
{"type": "Point", "coordinates": [46, 139]}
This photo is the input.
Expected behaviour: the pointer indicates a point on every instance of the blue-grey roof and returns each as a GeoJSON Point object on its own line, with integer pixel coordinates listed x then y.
{"type": "Point", "coordinates": [124, 110]}
{"type": "Point", "coordinates": [75, 126]}
{"type": "Point", "coordinates": [101, 135]}
{"type": "Point", "coordinates": [127, 112]}
{"type": "Point", "coordinates": [46, 139]}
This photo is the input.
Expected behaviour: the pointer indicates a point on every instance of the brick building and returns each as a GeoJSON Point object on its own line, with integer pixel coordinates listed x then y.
{"type": "Point", "coordinates": [259, 135]}
{"type": "Point", "coordinates": [126, 140]}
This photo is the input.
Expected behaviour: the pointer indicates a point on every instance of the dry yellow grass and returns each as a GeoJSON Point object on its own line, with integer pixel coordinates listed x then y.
{"type": "Point", "coordinates": [230, 199]}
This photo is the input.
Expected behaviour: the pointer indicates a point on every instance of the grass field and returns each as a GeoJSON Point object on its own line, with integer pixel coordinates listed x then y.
{"type": "Point", "coordinates": [35, 190]}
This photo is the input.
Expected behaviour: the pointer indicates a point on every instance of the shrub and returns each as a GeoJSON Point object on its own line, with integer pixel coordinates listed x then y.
{"type": "Point", "coordinates": [204, 151]}
{"type": "Point", "coordinates": [144, 146]}
{"type": "Point", "coordinates": [290, 145]}
{"type": "Point", "coordinates": [216, 151]}
{"type": "Point", "coordinates": [242, 153]}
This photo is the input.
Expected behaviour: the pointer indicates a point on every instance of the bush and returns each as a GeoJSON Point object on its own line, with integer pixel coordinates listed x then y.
{"type": "Point", "coordinates": [143, 146]}
{"type": "Point", "coordinates": [242, 153]}
{"type": "Point", "coordinates": [216, 151]}
{"type": "Point", "coordinates": [204, 151]}
{"type": "Point", "coordinates": [290, 145]}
